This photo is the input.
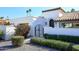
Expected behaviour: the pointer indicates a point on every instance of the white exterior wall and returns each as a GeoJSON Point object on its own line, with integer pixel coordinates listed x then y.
{"type": "Point", "coordinates": [2, 27]}
{"type": "Point", "coordinates": [52, 14]}
{"type": "Point", "coordinates": [8, 31]}
{"type": "Point", "coordinates": [62, 31]}
{"type": "Point", "coordinates": [38, 21]}
{"type": "Point", "coordinates": [56, 24]}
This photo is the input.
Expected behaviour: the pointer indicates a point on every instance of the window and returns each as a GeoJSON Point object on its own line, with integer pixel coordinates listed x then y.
{"type": "Point", "coordinates": [63, 25]}
{"type": "Point", "coordinates": [67, 25]}
{"type": "Point", "coordinates": [51, 23]}
{"type": "Point", "coordinates": [77, 24]}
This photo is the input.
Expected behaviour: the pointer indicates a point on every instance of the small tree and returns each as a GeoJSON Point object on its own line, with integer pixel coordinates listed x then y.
{"type": "Point", "coordinates": [7, 22]}
{"type": "Point", "coordinates": [1, 17]}
{"type": "Point", "coordinates": [22, 30]}
{"type": "Point", "coordinates": [72, 10]}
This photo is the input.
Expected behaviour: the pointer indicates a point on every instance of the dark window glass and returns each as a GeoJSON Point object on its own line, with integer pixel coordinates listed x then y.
{"type": "Point", "coordinates": [51, 23]}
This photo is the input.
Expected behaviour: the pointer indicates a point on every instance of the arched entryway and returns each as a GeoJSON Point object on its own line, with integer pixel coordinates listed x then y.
{"type": "Point", "coordinates": [39, 31]}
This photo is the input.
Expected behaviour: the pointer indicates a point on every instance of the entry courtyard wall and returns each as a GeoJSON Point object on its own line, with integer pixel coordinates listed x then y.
{"type": "Point", "coordinates": [62, 31]}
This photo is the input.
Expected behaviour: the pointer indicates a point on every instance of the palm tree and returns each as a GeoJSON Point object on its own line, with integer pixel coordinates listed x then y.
{"type": "Point", "coordinates": [27, 12]}
{"type": "Point", "coordinates": [30, 11]}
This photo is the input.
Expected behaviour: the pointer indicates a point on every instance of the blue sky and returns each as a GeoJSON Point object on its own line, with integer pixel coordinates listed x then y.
{"type": "Point", "coordinates": [15, 12]}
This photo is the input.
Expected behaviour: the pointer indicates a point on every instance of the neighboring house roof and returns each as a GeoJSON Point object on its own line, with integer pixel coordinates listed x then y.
{"type": "Point", "coordinates": [3, 22]}
{"type": "Point", "coordinates": [59, 8]}
{"type": "Point", "coordinates": [27, 19]}
{"type": "Point", "coordinates": [69, 16]}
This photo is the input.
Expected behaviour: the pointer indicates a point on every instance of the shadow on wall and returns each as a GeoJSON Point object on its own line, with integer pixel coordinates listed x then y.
{"type": "Point", "coordinates": [1, 39]}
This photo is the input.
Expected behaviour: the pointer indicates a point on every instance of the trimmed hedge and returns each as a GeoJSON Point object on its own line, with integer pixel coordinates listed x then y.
{"type": "Point", "coordinates": [60, 45]}
{"type": "Point", "coordinates": [74, 39]}
{"type": "Point", "coordinates": [17, 40]}
{"type": "Point", "coordinates": [75, 48]}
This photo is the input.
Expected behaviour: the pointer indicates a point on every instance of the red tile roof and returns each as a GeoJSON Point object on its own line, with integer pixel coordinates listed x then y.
{"type": "Point", "coordinates": [69, 16]}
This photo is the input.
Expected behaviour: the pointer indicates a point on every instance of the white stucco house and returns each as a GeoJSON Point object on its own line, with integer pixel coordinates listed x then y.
{"type": "Point", "coordinates": [61, 22]}
{"type": "Point", "coordinates": [37, 24]}
{"type": "Point", "coordinates": [53, 21]}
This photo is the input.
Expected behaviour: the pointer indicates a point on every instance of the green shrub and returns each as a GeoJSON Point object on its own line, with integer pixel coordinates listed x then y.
{"type": "Point", "coordinates": [75, 47]}
{"type": "Point", "coordinates": [61, 45]}
{"type": "Point", "coordinates": [17, 40]}
{"type": "Point", "coordinates": [74, 39]}
{"type": "Point", "coordinates": [50, 36]}
{"type": "Point", "coordinates": [1, 33]}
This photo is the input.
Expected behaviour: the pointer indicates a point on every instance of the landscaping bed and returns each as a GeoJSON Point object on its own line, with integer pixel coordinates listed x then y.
{"type": "Point", "coordinates": [57, 44]}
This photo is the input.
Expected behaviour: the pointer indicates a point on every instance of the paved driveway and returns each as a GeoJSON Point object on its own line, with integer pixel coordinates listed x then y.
{"type": "Point", "coordinates": [7, 46]}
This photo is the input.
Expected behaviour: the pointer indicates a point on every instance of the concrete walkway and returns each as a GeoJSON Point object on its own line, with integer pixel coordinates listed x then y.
{"type": "Point", "coordinates": [7, 46]}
